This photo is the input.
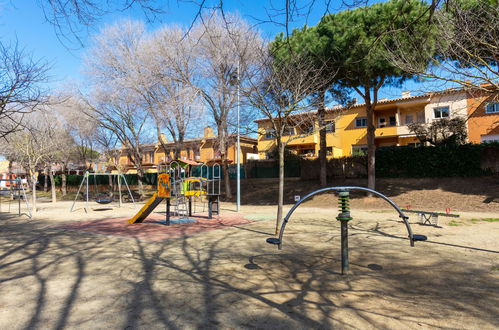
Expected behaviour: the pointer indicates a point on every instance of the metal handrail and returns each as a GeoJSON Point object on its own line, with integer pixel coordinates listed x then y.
{"type": "Point", "coordinates": [347, 188]}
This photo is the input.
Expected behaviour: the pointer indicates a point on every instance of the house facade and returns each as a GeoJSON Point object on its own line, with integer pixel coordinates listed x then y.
{"type": "Point", "coordinates": [201, 150]}
{"type": "Point", "coordinates": [346, 127]}
{"type": "Point", "coordinates": [483, 118]}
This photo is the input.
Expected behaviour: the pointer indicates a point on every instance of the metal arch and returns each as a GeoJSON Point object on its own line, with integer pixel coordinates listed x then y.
{"type": "Point", "coordinates": [347, 188]}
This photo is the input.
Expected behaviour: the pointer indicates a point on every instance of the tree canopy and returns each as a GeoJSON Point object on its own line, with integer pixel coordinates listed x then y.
{"type": "Point", "coordinates": [359, 41]}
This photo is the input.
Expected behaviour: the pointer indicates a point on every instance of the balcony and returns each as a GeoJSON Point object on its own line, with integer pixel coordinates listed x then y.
{"type": "Point", "coordinates": [387, 131]}
{"type": "Point", "coordinates": [312, 139]}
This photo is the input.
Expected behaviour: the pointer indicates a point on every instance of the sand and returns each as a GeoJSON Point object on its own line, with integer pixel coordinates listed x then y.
{"type": "Point", "coordinates": [230, 278]}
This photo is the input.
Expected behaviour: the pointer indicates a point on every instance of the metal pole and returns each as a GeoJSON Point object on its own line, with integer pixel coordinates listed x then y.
{"type": "Point", "coordinates": [17, 186]}
{"type": "Point", "coordinates": [344, 217]}
{"type": "Point", "coordinates": [190, 206]}
{"type": "Point", "coordinates": [77, 194]}
{"type": "Point", "coordinates": [238, 147]}
{"type": "Point", "coordinates": [167, 221]}
{"type": "Point", "coordinates": [87, 176]}
{"type": "Point", "coordinates": [119, 187]}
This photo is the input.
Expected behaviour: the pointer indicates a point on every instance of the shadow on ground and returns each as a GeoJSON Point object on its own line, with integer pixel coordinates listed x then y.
{"type": "Point", "coordinates": [230, 278]}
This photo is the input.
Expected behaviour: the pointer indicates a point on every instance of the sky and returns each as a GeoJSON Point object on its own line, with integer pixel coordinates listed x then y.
{"type": "Point", "coordinates": [24, 21]}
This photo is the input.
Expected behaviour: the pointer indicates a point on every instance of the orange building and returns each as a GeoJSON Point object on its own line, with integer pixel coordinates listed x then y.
{"type": "Point", "coordinates": [202, 150]}
{"type": "Point", "coordinates": [483, 117]}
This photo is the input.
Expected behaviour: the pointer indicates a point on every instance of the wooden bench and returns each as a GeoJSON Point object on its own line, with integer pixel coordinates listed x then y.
{"type": "Point", "coordinates": [430, 218]}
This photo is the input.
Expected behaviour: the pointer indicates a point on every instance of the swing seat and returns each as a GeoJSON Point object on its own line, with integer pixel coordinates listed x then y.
{"type": "Point", "coordinates": [273, 240]}
{"type": "Point", "coordinates": [104, 200]}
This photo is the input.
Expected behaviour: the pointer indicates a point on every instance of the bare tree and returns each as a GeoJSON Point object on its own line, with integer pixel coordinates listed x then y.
{"type": "Point", "coordinates": [226, 52]}
{"type": "Point", "coordinates": [81, 137]}
{"type": "Point", "coordinates": [21, 86]}
{"type": "Point", "coordinates": [164, 75]}
{"type": "Point", "coordinates": [283, 93]}
{"type": "Point", "coordinates": [113, 102]}
{"type": "Point", "coordinates": [37, 145]}
{"type": "Point", "coordinates": [108, 145]}
{"type": "Point", "coordinates": [125, 118]}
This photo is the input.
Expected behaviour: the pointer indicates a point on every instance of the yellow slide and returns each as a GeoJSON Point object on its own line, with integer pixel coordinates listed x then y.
{"type": "Point", "coordinates": [147, 209]}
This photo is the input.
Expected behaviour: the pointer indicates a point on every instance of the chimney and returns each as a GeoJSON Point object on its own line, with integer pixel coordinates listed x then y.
{"type": "Point", "coordinates": [406, 94]}
{"type": "Point", "coordinates": [208, 132]}
{"type": "Point", "coordinates": [162, 138]}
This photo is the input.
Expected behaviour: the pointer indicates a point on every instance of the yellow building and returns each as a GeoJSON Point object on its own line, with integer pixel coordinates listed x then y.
{"type": "Point", "coordinates": [347, 127]}
{"type": "Point", "coordinates": [202, 150]}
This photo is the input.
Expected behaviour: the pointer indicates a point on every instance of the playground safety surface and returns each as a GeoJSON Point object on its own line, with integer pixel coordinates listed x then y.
{"type": "Point", "coordinates": [152, 231]}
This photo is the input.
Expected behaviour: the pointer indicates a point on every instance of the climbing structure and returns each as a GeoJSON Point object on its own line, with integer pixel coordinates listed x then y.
{"type": "Point", "coordinates": [178, 188]}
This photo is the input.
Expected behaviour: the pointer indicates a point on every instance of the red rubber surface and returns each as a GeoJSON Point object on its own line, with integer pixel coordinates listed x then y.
{"type": "Point", "coordinates": [154, 232]}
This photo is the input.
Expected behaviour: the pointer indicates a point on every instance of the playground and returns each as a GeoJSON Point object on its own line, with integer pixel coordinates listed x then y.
{"type": "Point", "coordinates": [94, 269]}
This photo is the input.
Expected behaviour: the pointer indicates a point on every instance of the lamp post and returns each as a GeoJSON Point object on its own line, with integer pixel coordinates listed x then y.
{"type": "Point", "coordinates": [238, 149]}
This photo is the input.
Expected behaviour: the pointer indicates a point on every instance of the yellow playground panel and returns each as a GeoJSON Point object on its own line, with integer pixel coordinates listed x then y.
{"type": "Point", "coordinates": [195, 186]}
{"type": "Point", "coordinates": [164, 185]}
{"type": "Point", "coordinates": [163, 192]}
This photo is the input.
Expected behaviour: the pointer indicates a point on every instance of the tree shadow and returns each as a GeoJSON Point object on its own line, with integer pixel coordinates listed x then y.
{"type": "Point", "coordinates": [231, 278]}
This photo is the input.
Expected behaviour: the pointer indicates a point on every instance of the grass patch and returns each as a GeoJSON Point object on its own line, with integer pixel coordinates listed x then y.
{"type": "Point", "coordinates": [485, 219]}
{"type": "Point", "coordinates": [496, 268]}
{"type": "Point", "coordinates": [454, 223]}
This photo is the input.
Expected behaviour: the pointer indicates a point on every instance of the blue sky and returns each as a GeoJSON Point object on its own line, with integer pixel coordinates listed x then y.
{"type": "Point", "coordinates": [25, 21]}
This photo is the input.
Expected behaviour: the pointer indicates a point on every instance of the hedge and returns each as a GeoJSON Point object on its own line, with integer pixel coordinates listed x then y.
{"type": "Point", "coordinates": [439, 161]}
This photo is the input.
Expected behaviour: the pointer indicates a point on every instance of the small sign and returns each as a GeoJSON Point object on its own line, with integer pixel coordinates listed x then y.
{"type": "Point", "coordinates": [297, 198]}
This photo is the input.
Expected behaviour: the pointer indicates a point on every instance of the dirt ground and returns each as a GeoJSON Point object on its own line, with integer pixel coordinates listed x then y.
{"type": "Point", "coordinates": [433, 194]}
{"type": "Point", "coordinates": [231, 278]}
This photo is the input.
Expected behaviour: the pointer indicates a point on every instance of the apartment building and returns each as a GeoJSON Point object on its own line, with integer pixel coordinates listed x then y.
{"type": "Point", "coordinates": [203, 150]}
{"type": "Point", "coordinates": [347, 127]}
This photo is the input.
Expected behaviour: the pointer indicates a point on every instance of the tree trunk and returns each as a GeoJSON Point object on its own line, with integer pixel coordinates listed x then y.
{"type": "Point", "coordinates": [371, 147]}
{"type": "Point", "coordinates": [321, 113]}
{"type": "Point", "coordinates": [45, 181]}
{"type": "Point", "coordinates": [140, 180]}
{"type": "Point", "coordinates": [64, 189]}
{"type": "Point", "coordinates": [225, 167]}
{"type": "Point", "coordinates": [222, 142]}
{"type": "Point", "coordinates": [110, 183]}
{"type": "Point", "coordinates": [52, 187]}
{"type": "Point", "coordinates": [34, 178]}
{"type": "Point", "coordinates": [280, 197]}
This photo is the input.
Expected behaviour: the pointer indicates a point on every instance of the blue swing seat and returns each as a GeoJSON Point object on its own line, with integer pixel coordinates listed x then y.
{"type": "Point", "coordinates": [104, 200]}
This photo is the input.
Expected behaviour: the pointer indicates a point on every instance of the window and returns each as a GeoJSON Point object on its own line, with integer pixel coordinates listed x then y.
{"type": "Point", "coordinates": [392, 121]}
{"type": "Point", "coordinates": [330, 126]}
{"type": "Point", "coordinates": [361, 122]}
{"type": "Point", "coordinates": [151, 157]}
{"type": "Point", "coordinates": [359, 150]}
{"type": "Point", "coordinates": [269, 133]}
{"type": "Point", "coordinates": [329, 151]}
{"type": "Point", "coordinates": [409, 119]}
{"type": "Point", "coordinates": [382, 122]}
{"type": "Point", "coordinates": [489, 138]}
{"type": "Point", "coordinates": [492, 108]}
{"type": "Point", "coordinates": [414, 145]}
{"type": "Point", "coordinates": [307, 152]}
{"type": "Point", "coordinates": [441, 112]}
{"type": "Point", "coordinates": [307, 128]}
{"type": "Point", "coordinates": [420, 117]}
{"type": "Point", "coordinates": [289, 131]}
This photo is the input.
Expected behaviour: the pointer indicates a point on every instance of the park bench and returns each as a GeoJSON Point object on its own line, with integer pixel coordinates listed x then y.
{"type": "Point", "coordinates": [430, 218]}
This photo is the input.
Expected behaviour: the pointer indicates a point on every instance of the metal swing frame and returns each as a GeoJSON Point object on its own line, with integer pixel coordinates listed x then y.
{"type": "Point", "coordinates": [18, 186]}
{"type": "Point", "coordinates": [86, 181]}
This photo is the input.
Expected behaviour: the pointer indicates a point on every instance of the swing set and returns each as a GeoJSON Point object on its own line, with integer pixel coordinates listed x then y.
{"type": "Point", "coordinates": [115, 182]}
